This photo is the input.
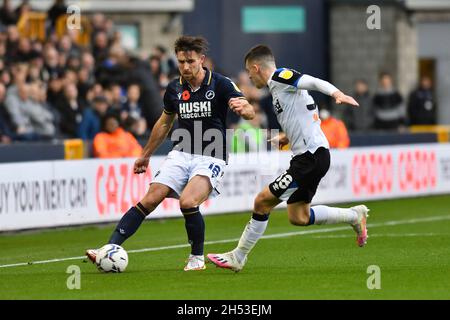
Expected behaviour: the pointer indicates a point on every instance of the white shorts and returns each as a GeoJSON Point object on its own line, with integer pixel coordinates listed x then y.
{"type": "Point", "coordinates": [180, 167]}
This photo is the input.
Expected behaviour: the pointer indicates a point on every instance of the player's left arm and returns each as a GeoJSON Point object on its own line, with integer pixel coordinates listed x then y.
{"type": "Point", "coordinates": [308, 82]}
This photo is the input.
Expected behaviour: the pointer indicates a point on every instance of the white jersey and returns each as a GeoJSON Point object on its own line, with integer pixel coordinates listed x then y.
{"type": "Point", "coordinates": [296, 112]}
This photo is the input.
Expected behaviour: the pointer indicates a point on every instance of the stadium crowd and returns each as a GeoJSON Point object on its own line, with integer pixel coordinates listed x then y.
{"type": "Point", "coordinates": [59, 89]}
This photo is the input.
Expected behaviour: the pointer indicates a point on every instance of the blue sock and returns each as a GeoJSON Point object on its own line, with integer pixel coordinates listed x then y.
{"type": "Point", "coordinates": [312, 217]}
{"type": "Point", "coordinates": [195, 227]}
{"type": "Point", "coordinates": [129, 224]}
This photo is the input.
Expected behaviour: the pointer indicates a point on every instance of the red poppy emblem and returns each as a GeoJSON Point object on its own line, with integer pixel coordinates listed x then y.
{"type": "Point", "coordinates": [186, 95]}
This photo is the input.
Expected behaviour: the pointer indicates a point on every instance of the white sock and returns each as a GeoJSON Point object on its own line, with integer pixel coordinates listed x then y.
{"type": "Point", "coordinates": [253, 231]}
{"type": "Point", "coordinates": [331, 215]}
{"type": "Point", "coordinates": [198, 257]}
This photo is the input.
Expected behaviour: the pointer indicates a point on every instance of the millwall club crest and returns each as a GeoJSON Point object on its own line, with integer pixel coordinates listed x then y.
{"type": "Point", "coordinates": [210, 95]}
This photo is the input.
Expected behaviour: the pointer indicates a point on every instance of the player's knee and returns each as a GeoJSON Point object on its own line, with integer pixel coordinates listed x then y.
{"type": "Point", "coordinates": [186, 203]}
{"type": "Point", "coordinates": [300, 220]}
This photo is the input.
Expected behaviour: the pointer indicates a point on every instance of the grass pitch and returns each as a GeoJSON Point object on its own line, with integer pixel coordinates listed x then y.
{"type": "Point", "coordinates": [409, 241]}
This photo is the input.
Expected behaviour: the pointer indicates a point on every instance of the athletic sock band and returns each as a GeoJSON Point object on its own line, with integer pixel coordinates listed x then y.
{"type": "Point", "coordinates": [260, 217]}
{"type": "Point", "coordinates": [142, 209]}
{"type": "Point", "coordinates": [190, 210]}
{"type": "Point", "coordinates": [312, 216]}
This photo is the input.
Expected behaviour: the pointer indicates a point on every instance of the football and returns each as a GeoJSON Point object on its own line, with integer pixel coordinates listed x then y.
{"type": "Point", "coordinates": [112, 258]}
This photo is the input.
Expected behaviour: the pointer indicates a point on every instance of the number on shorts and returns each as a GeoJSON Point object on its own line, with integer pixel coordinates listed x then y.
{"type": "Point", "coordinates": [284, 181]}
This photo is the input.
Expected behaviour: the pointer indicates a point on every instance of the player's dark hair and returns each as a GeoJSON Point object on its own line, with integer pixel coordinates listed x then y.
{"type": "Point", "coordinates": [189, 43]}
{"type": "Point", "coordinates": [260, 53]}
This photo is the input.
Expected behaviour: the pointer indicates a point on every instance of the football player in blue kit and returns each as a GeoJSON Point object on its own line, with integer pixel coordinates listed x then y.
{"type": "Point", "coordinates": [298, 116]}
{"type": "Point", "coordinates": [192, 171]}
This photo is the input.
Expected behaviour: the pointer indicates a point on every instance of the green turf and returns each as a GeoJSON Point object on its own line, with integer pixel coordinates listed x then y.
{"type": "Point", "coordinates": [414, 260]}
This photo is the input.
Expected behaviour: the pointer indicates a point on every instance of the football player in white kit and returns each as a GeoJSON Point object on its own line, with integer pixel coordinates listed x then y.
{"type": "Point", "coordinates": [298, 116]}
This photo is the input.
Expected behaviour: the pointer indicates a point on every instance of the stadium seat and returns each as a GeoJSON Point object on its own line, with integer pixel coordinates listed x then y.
{"type": "Point", "coordinates": [32, 25]}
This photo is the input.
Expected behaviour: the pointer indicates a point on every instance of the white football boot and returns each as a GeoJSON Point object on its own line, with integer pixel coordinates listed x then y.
{"type": "Point", "coordinates": [195, 263]}
{"type": "Point", "coordinates": [227, 260]}
{"type": "Point", "coordinates": [360, 226]}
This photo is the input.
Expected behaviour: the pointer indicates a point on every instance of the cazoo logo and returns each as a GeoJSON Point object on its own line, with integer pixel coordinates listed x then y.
{"type": "Point", "coordinates": [377, 173]}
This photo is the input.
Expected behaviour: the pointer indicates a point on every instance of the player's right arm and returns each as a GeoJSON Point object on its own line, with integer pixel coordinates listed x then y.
{"type": "Point", "coordinates": [308, 82]}
{"type": "Point", "coordinates": [159, 133]}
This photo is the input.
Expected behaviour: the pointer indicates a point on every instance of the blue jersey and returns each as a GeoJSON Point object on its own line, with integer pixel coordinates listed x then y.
{"type": "Point", "coordinates": [199, 111]}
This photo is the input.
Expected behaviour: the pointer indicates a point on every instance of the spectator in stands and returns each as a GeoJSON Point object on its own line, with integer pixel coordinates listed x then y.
{"type": "Point", "coordinates": [136, 127]}
{"type": "Point", "coordinates": [139, 72]}
{"type": "Point", "coordinates": [17, 105]}
{"type": "Point", "coordinates": [168, 63]}
{"type": "Point", "coordinates": [334, 129]}
{"type": "Point", "coordinates": [100, 47]}
{"type": "Point", "coordinates": [155, 67]}
{"type": "Point", "coordinates": [98, 21]}
{"type": "Point", "coordinates": [12, 43]}
{"type": "Point", "coordinates": [66, 46]}
{"type": "Point", "coordinates": [91, 123]}
{"type": "Point", "coordinates": [115, 142]}
{"type": "Point", "coordinates": [5, 77]}
{"type": "Point", "coordinates": [5, 135]}
{"type": "Point", "coordinates": [360, 119]}
{"type": "Point", "coordinates": [422, 104]}
{"type": "Point", "coordinates": [117, 97]}
{"type": "Point", "coordinates": [51, 63]}
{"type": "Point", "coordinates": [23, 53]}
{"type": "Point", "coordinates": [114, 68]}
{"type": "Point", "coordinates": [110, 29]}
{"type": "Point", "coordinates": [88, 62]}
{"type": "Point", "coordinates": [7, 14]}
{"type": "Point", "coordinates": [70, 110]}
{"type": "Point", "coordinates": [73, 63]}
{"type": "Point", "coordinates": [131, 107]}
{"type": "Point", "coordinates": [6, 130]}
{"type": "Point", "coordinates": [58, 9]}
{"type": "Point", "coordinates": [36, 63]}
{"type": "Point", "coordinates": [389, 109]}
{"type": "Point", "coordinates": [42, 119]}
{"type": "Point", "coordinates": [55, 91]}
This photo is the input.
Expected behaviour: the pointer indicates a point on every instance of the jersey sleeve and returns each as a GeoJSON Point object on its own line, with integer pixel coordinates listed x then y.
{"type": "Point", "coordinates": [287, 76]}
{"type": "Point", "coordinates": [169, 101]}
{"type": "Point", "coordinates": [230, 89]}
{"type": "Point", "coordinates": [310, 83]}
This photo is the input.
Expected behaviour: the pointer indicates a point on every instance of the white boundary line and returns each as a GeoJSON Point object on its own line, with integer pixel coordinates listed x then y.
{"type": "Point", "coordinates": [270, 236]}
{"type": "Point", "coordinates": [385, 235]}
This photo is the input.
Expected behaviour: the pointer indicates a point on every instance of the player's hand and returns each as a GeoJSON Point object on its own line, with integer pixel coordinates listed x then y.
{"type": "Point", "coordinates": [140, 165]}
{"type": "Point", "coordinates": [279, 141]}
{"type": "Point", "coordinates": [237, 105]}
{"type": "Point", "coordinates": [340, 98]}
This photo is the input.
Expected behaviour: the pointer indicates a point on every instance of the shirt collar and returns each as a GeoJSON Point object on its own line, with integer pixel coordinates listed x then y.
{"type": "Point", "coordinates": [271, 76]}
{"type": "Point", "coordinates": [206, 80]}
